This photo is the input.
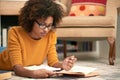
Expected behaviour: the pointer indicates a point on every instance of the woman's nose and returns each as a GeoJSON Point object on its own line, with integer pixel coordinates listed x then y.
{"type": "Point", "coordinates": [46, 29]}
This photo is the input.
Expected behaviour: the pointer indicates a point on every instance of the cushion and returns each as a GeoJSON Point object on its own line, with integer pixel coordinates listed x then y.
{"type": "Point", "coordinates": [92, 21]}
{"type": "Point", "coordinates": [88, 8]}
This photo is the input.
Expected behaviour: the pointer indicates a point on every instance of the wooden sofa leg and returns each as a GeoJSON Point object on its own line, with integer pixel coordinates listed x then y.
{"type": "Point", "coordinates": [112, 53]}
{"type": "Point", "coordinates": [64, 48]}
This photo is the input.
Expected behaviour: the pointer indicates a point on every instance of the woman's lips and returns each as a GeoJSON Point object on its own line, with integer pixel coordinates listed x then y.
{"type": "Point", "coordinates": [43, 34]}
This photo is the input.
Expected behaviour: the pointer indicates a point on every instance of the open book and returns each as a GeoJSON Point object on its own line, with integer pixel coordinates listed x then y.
{"type": "Point", "coordinates": [81, 71]}
{"type": "Point", "coordinates": [5, 75]}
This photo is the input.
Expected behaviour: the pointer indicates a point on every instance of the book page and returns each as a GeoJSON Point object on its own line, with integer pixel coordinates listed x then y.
{"type": "Point", "coordinates": [82, 69]}
{"type": "Point", "coordinates": [42, 67]}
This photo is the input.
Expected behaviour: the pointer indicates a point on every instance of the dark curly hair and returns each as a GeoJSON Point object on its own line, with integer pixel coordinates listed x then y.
{"type": "Point", "coordinates": [35, 9]}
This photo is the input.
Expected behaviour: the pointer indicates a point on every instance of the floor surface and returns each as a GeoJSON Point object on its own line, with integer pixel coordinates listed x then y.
{"type": "Point", "coordinates": [106, 71]}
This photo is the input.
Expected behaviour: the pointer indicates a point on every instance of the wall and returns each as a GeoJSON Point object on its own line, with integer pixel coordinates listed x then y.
{"type": "Point", "coordinates": [104, 47]}
{"type": "Point", "coordinates": [118, 38]}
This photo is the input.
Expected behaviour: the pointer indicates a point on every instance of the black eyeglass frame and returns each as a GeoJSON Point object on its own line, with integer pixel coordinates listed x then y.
{"type": "Point", "coordinates": [44, 26]}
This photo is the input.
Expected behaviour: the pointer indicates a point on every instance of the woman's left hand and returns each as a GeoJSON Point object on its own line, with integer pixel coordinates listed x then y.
{"type": "Point", "coordinates": [68, 62]}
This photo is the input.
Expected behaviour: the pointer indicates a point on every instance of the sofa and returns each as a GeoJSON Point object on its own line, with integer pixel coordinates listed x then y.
{"type": "Point", "coordinates": [89, 28]}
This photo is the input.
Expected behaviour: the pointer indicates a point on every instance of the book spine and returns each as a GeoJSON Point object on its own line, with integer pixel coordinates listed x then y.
{"type": "Point", "coordinates": [4, 37]}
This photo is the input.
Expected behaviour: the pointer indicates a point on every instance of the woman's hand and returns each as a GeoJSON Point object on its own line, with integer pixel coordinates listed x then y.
{"type": "Point", "coordinates": [42, 73]}
{"type": "Point", "coordinates": [68, 62]}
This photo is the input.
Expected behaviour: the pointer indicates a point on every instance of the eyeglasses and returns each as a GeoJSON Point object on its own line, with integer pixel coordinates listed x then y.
{"type": "Point", "coordinates": [44, 26]}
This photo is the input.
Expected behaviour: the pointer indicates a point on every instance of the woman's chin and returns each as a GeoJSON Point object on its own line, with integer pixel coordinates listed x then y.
{"type": "Point", "coordinates": [42, 36]}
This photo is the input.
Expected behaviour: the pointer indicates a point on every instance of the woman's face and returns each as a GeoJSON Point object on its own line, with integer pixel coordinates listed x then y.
{"type": "Point", "coordinates": [41, 28]}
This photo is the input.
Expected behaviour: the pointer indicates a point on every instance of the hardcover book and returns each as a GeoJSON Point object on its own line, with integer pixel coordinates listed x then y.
{"type": "Point", "coordinates": [5, 75]}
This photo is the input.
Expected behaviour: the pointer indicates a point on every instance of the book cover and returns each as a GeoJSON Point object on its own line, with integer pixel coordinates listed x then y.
{"type": "Point", "coordinates": [5, 75]}
{"type": "Point", "coordinates": [4, 37]}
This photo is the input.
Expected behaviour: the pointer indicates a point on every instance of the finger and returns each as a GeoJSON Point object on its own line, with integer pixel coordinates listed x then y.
{"type": "Point", "coordinates": [72, 58]}
{"type": "Point", "coordinates": [68, 68]}
{"type": "Point", "coordinates": [70, 61]}
{"type": "Point", "coordinates": [52, 74]}
{"type": "Point", "coordinates": [43, 76]}
{"type": "Point", "coordinates": [70, 65]}
{"type": "Point", "coordinates": [75, 59]}
{"type": "Point", "coordinates": [46, 76]}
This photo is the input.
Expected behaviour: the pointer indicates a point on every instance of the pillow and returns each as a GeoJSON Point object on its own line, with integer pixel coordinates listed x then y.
{"type": "Point", "coordinates": [88, 8]}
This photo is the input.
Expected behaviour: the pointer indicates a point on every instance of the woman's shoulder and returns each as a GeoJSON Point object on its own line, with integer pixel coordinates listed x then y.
{"type": "Point", "coordinates": [52, 33]}
{"type": "Point", "coordinates": [15, 28]}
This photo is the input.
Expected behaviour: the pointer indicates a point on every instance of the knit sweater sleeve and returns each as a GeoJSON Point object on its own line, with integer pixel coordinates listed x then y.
{"type": "Point", "coordinates": [14, 48]}
{"type": "Point", "coordinates": [52, 54]}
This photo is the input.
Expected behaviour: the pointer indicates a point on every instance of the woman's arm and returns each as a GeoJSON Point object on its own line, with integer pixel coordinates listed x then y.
{"type": "Point", "coordinates": [21, 71]}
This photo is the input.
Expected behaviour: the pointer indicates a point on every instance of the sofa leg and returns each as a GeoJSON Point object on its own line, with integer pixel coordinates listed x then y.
{"type": "Point", "coordinates": [112, 53]}
{"type": "Point", "coordinates": [64, 48]}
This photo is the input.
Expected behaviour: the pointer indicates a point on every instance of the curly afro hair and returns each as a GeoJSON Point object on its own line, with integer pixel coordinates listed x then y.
{"type": "Point", "coordinates": [36, 9]}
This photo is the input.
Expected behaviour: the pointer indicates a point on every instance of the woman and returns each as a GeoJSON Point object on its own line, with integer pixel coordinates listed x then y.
{"type": "Point", "coordinates": [35, 40]}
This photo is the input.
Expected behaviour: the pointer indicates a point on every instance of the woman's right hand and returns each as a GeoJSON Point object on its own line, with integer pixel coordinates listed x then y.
{"type": "Point", "coordinates": [42, 73]}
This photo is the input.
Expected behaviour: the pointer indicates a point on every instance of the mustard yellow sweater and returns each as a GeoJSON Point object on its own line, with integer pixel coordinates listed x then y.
{"type": "Point", "coordinates": [24, 50]}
